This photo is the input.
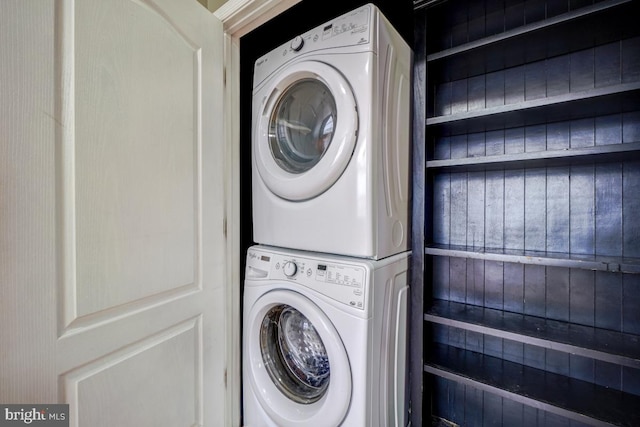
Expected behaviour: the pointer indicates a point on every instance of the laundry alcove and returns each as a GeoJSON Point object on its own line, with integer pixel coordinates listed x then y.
{"type": "Point", "coordinates": [525, 292]}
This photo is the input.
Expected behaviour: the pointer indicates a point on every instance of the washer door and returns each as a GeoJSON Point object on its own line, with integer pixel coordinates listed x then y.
{"type": "Point", "coordinates": [306, 132]}
{"type": "Point", "coordinates": [299, 367]}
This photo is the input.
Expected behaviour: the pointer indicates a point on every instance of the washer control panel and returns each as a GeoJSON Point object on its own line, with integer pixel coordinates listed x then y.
{"type": "Point", "coordinates": [343, 282]}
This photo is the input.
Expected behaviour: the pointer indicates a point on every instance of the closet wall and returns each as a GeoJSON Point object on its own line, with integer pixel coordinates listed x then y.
{"type": "Point", "coordinates": [526, 279]}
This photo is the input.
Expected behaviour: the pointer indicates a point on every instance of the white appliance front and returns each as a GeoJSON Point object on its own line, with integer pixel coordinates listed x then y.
{"type": "Point", "coordinates": [330, 139]}
{"type": "Point", "coordinates": [324, 341]}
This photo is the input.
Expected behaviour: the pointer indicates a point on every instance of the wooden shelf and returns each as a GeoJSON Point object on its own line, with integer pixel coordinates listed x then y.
{"type": "Point", "coordinates": [574, 399]}
{"type": "Point", "coordinates": [552, 259]}
{"type": "Point", "coordinates": [600, 153]}
{"type": "Point", "coordinates": [551, 37]}
{"type": "Point", "coordinates": [505, 67]}
{"type": "Point", "coordinates": [565, 18]}
{"type": "Point", "coordinates": [595, 343]}
{"type": "Point", "coordinates": [589, 103]}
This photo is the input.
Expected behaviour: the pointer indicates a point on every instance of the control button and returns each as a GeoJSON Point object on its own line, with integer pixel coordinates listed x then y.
{"type": "Point", "coordinates": [309, 272]}
{"type": "Point", "coordinates": [297, 43]}
{"type": "Point", "coordinates": [290, 269]}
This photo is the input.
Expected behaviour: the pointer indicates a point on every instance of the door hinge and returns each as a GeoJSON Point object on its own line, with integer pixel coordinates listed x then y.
{"type": "Point", "coordinates": [224, 227]}
{"type": "Point", "coordinates": [225, 378]}
{"type": "Point", "coordinates": [224, 76]}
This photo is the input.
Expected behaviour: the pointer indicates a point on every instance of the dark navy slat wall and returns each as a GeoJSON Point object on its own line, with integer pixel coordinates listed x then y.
{"type": "Point", "coordinates": [531, 194]}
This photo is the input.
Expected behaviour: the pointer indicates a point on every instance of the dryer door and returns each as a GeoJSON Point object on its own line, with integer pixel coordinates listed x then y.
{"type": "Point", "coordinates": [299, 367]}
{"type": "Point", "coordinates": [306, 130]}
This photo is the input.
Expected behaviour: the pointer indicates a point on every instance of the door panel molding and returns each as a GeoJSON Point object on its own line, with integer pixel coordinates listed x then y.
{"type": "Point", "coordinates": [96, 236]}
{"type": "Point", "coordinates": [85, 386]}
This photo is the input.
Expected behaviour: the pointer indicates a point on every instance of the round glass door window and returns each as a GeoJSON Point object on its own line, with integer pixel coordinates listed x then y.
{"type": "Point", "coordinates": [302, 125]}
{"type": "Point", "coordinates": [294, 355]}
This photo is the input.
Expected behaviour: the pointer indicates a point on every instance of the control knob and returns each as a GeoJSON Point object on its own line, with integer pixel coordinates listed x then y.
{"type": "Point", "coordinates": [290, 268]}
{"type": "Point", "coordinates": [297, 43]}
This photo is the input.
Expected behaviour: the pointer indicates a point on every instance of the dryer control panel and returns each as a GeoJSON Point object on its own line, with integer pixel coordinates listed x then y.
{"type": "Point", "coordinates": [352, 30]}
{"type": "Point", "coordinates": [340, 281]}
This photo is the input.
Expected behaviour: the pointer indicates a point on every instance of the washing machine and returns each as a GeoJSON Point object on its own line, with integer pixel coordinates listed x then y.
{"type": "Point", "coordinates": [324, 340]}
{"type": "Point", "coordinates": [330, 139]}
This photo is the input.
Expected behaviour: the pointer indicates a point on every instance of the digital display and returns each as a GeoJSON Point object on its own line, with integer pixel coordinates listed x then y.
{"type": "Point", "coordinates": [328, 27]}
{"type": "Point", "coordinates": [322, 267]}
{"type": "Point", "coordinates": [265, 258]}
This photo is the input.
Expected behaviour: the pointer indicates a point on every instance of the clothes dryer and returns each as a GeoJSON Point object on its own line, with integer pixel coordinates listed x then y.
{"type": "Point", "coordinates": [324, 341]}
{"type": "Point", "coordinates": [330, 139]}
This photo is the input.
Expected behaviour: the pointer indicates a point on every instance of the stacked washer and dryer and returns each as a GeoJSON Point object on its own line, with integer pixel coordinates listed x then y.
{"type": "Point", "coordinates": [325, 295]}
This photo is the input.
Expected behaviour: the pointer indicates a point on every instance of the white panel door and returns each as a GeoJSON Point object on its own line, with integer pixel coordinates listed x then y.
{"type": "Point", "coordinates": [112, 211]}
